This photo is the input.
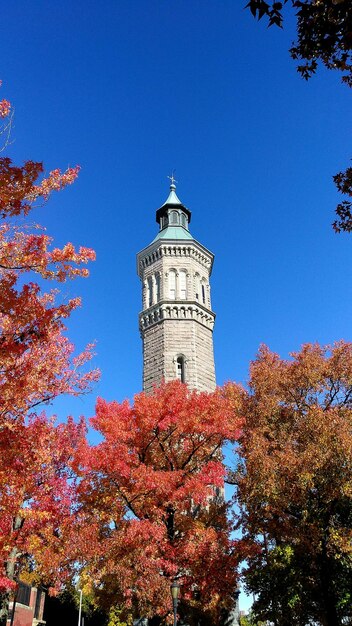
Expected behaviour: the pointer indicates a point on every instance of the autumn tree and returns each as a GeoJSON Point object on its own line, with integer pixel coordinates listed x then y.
{"type": "Point", "coordinates": [294, 485]}
{"type": "Point", "coordinates": [152, 504]}
{"type": "Point", "coordinates": [324, 35]}
{"type": "Point", "coordinates": [37, 502]}
{"type": "Point", "coordinates": [36, 365]}
{"type": "Point", "coordinates": [35, 355]}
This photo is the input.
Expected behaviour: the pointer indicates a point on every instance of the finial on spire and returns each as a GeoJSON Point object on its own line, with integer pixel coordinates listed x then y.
{"type": "Point", "coordinates": [173, 180]}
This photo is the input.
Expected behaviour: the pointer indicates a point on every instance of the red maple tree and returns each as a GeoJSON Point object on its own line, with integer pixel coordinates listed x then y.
{"type": "Point", "coordinates": [40, 495]}
{"type": "Point", "coordinates": [152, 492]}
{"type": "Point", "coordinates": [35, 355]}
{"type": "Point", "coordinates": [36, 365]}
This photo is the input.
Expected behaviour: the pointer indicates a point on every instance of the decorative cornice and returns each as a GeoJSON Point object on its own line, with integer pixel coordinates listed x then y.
{"type": "Point", "coordinates": [171, 310]}
{"type": "Point", "coordinates": [150, 255]}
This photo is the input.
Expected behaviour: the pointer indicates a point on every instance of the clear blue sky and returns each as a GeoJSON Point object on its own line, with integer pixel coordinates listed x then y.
{"type": "Point", "coordinates": [131, 90]}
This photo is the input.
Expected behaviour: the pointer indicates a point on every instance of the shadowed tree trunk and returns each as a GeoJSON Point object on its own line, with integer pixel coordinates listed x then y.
{"type": "Point", "coordinates": [10, 573]}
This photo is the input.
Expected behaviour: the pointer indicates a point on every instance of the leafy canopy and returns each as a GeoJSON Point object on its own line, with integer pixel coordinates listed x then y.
{"type": "Point", "coordinates": [37, 364]}
{"type": "Point", "coordinates": [294, 484]}
{"type": "Point", "coordinates": [151, 501]}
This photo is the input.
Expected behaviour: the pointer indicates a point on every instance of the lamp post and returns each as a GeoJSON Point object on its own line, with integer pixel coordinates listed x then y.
{"type": "Point", "coordinates": [80, 607]}
{"type": "Point", "coordinates": [175, 590]}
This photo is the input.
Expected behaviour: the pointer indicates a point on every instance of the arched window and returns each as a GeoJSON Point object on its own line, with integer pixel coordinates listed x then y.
{"type": "Point", "coordinates": [149, 291]}
{"type": "Point", "coordinates": [203, 293]}
{"type": "Point", "coordinates": [197, 286]}
{"type": "Point", "coordinates": [180, 368]}
{"type": "Point", "coordinates": [183, 220]}
{"type": "Point", "coordinates": [183, 284]}
{"type": "Point", "coordinates": [157, 287]}
{"type": "Point", "coordinates": [174, 217]}
{"type": "Point", "coordinates": [172, 285]}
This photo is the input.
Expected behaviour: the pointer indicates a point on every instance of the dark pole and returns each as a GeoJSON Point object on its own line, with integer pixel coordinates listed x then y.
{"type": "Point", "coordinates": [175, 590]}
{"type": "Point", "coordinates": [14, 606]}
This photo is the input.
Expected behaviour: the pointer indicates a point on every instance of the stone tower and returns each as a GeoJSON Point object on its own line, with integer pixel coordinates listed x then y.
{"type": "Point", "coordinates": [177, 321]}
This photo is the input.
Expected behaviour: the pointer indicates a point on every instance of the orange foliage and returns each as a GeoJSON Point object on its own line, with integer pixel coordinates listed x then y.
{"type": "Point", "coordinates": [35, 356]}
{"type": "Point", "coordinates": [36, 365]}
{"type": "Point", "coordinates": [295, 473]}
{"type": "Point", "coordinates": [38, 501]}
{"type": "Point", "coordinates": [151, 492]}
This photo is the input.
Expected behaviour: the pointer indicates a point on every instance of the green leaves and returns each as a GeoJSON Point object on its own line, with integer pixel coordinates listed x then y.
{"type": "Point", "coordinates": [296, 491]}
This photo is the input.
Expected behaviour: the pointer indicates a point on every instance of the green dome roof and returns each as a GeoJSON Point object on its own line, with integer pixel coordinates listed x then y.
{"type": "Point", "coordinates": [177, 233]}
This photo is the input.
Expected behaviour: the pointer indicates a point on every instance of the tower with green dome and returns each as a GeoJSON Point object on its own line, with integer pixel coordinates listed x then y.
{"type": "Point", "coordinates": [176, 321]}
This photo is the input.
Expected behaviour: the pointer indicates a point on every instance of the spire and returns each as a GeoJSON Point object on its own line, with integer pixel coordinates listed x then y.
{"type": "Point", "coordinates": [172, 198]}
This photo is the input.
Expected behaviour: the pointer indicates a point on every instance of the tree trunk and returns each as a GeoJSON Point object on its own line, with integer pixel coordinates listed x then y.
{"type": "Point", "coordinates": [10, 570]}
{"type": "Point", "coordinates": [5, 598]}
{"type": "Point", "coordinates": [4, 608]}
{"type": "Point", "coordinates": [170, 516]}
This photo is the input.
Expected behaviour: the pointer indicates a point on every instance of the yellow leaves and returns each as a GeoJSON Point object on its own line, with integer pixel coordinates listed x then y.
{"type": "Point", "coordinates": [282, 556]}
{"type": "Point", "coordinates": [116, 618]}
{"type": "Point", "coordinates": [346, 489]}
{"type": "Point", "coordinates": [295, 489]}
{"type": "Point", "coordinates": [86, 584]}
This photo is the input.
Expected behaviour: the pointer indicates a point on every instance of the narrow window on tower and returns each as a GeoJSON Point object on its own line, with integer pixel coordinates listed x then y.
{"type": "Point", "coordinates": [183, 284]}
{"type": "Point", "coordinates": [172, 285]}
{"type": "Point", "coordinates": [203, 293]}
{"type": "Point", "coordinates": [145, 294]}
{"type": "Point", "coordinates": [180, 365]}
{"type": "Point", "coordinates": [147, 291]}
{"type": "Point", "coordinates": [157, 286]}
{"type": "Point", "coordinates": [150, 291]}
{"type": "Point", "coordinates": [197, 286]}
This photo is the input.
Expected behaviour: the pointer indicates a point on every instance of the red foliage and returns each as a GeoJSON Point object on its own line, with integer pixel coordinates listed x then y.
{"type": "Point", "coordinates": [35, 356]}
{"type": "Point", "coordinates": [37, 488]}
{"type": "Point", "coordinates": [151, 492]}
{"type": "Point", "coordinates": [37, 495]}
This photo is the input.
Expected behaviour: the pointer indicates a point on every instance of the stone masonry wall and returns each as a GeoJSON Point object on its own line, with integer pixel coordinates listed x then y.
{"type": "Point", "coordinates": [165, 341]}
{"type": "Point", "coordinates": [192, 340]}
{"type": "Point", "coordinates": [176, 327]}
{"type": "Point", "coordinates": [153, 357]}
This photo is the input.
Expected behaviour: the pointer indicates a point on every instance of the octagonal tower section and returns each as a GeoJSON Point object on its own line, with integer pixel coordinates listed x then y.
{"type": "Point", "coordinates": [176, 322]}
